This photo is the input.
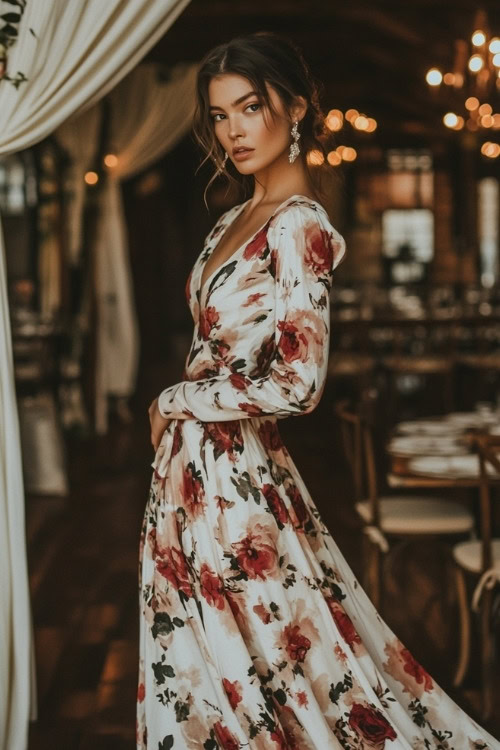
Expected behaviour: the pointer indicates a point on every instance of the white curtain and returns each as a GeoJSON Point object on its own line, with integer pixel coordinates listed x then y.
{"type": "Point", "coordinates": [148, 114]}
{"type": "Point", "coordinates": [78, 51]}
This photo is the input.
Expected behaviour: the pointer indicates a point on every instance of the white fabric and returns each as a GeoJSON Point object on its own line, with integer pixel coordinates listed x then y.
{"type": "Point", "coordinates": [469, 555]}
{"type": "Point", "coordinates": [79, 137]}
{"type": "Point", "coordinates": [147, 117]}
{"type": "Point", "coordinates": [419, 515]}
{"type": "Point", "coordinates": [78, 52]}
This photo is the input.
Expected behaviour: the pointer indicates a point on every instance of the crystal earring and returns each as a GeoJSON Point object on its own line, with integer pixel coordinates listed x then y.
{"type": "Point", "coordinates": [220, 169]}
{"type": "Point", "coordinates": [294, 147]}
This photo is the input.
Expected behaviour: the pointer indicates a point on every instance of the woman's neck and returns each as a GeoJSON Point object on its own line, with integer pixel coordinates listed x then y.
{"type": "Point", "coordinates": [279, 180]}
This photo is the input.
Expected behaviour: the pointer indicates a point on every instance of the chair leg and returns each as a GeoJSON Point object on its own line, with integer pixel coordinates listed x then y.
{"type": "Point", "coordinates": [464, 613]}
{"type": "Point", "coordinates": [486, 653]}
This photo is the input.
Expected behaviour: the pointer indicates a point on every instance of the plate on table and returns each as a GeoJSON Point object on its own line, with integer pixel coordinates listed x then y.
{"type": "Point", "coordinates": [428, 427]}
{"type": "Point", "coordinates": [426, 445]}
{"type": "Point", "coordinates": [448, 467]}
{"type": "Point", "coordinates": [472, 419]}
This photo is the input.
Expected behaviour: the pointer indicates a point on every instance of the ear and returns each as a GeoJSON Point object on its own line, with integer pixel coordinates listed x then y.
{"type": "Point", "coordinates": [298, 108]}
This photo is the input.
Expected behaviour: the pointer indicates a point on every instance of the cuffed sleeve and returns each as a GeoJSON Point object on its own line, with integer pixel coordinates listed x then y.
{"type": "Point", "coordinates": [304, 250]}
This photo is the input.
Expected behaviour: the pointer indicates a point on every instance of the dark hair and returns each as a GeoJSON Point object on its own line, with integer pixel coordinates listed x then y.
{"type": "Point", "coordinates": [262, 58]}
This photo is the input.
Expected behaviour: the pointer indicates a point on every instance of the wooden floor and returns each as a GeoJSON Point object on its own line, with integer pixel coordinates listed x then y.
{"type": "Point", "coordinates": [83, 572]}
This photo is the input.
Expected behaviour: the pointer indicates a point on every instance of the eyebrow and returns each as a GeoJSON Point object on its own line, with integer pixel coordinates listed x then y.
{"type": "Point", "coordinates": [238, 101]}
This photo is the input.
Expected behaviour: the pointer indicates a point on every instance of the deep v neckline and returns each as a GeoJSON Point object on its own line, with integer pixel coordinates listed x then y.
{"type": "Point", "coordinates": [246, 242]}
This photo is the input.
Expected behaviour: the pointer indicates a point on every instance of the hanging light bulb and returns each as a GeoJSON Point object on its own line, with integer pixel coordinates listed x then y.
{"type": "Point", "coordinates": [434, 77]}
{"type": "Point", "coordinates": [478, 38]}
{"type": "Point", "coordinates": [450, 120]}
{"type": "Point", "coordinates": [476, 63]}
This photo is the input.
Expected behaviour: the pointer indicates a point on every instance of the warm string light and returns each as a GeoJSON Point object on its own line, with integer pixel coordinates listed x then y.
{"type": "Point", "coordinates": [91, 178]}
{"type": "Point", "coordinates": [476, 69]}
{"type": "Point", "coordinates": [335, 119]}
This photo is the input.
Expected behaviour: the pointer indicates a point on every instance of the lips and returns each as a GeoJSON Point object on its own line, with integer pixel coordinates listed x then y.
{"type": "Point", "coordinates": [241, 150]}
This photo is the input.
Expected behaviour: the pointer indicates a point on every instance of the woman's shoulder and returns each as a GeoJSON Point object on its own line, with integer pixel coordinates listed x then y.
{"type": "Point", "coordinates": [306, 221]}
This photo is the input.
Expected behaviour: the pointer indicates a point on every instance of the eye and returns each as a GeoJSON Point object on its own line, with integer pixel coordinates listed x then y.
{"type": "Point", "coordinates": [218, 114]}
{"type": "Point", "coordinates": [254, 104]}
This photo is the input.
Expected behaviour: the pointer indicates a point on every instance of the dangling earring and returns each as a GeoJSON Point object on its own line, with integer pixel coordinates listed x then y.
{"type": "Point", "coordinates": [294, 147]}
{"type": "Point", "coordinates": [223, 163]}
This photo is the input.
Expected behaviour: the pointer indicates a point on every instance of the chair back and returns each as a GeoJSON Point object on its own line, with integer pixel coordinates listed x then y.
{"type": "Point", "coordinates": [356, 424]}
{"type": "Point", "coordinates": [488, 449]}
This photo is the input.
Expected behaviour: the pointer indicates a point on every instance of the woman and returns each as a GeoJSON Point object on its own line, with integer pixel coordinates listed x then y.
{"type": "Point", "coordinates": [254, 631]}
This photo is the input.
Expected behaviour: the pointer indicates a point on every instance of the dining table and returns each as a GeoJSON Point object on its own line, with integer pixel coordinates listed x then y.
{"type": "Point", "coordinates": [439, 451]}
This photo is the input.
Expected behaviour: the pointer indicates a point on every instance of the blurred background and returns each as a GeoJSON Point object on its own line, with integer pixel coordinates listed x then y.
{"type": "Point", "coordinates": [103, 221]}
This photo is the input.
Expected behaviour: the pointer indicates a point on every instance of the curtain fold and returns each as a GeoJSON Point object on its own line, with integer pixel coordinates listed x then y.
{"type": "Point", "coordinates": [149, 111]}
{"type": "Point", "coordinates": [72, 54]}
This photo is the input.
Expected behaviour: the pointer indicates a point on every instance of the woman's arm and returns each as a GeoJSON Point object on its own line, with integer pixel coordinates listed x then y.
{"type": "Point", "coordinates": [304, 251]}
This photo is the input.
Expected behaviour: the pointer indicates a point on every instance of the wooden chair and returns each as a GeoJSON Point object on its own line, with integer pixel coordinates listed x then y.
{"type": "Point", "coordinates": [392, 519]}
{"type": "Point", "coordinates": [482, 559]}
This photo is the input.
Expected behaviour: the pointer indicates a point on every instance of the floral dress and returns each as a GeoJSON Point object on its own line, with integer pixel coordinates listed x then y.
{"type": "Point", "coordinates": [254, 632]}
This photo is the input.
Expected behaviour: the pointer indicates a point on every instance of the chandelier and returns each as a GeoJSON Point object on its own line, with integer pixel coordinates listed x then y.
{"type": "Point", "coordinates": [472, 88]}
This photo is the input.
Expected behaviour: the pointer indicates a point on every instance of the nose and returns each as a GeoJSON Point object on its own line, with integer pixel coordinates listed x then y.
{"type": "Point", "coordinates": [235, 127]}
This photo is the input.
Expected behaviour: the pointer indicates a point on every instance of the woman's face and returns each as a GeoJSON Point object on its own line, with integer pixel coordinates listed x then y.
{"type": "Point", "coordinates": [244, 126]}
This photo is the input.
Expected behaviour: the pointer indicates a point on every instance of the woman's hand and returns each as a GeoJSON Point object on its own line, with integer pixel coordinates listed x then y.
{"type": "Point", "coordinates": [158, 424]}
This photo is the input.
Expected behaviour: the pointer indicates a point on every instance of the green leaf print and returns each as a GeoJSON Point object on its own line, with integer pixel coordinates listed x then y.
{"type": "Point", "coordinates": [167, 743]}
{"type": "Point", "coordinates": [341, 687]}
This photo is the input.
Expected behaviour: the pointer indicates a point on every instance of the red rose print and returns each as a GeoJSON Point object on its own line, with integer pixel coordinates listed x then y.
{"type": "Point", "coordinates": [301, 697]}
{"type": "Point", "coordinates": [192, 491]}
{"type": "Point", "coordinates": [212, 587]}
{"type": "Point", "coordinates": [403, 666]}
{"type": "Point", "coordinates": [226, 738]}
{"type": "Point", "coordinates": [297, 645]}
{"type": "Point", "coordinates": [256, 247]}
{"type": "Point", "coordinates": [279, 738]}
{"type": "Point", "coordinates": [344, 622]}
{"type": "Point", "coordinates": [269, 434]}
{"type": "Point", "coordinates": [233, 690]}
{"type": "Point", "coordinates": [251, 409]}
{"type": "Point", "coordinates": [141, 692]}
{"type": "Point", "coordinates": [298, 504]}
{"type": "Point", "coordinates": [265, 355]}
{"type": "Point", "coordinates": [256, 557]}
{"type": "Point", "coordinates": [275, 503]}
{"type": "Point", "coordinates": [302, 337]}
{"type": "Point", "coordinates": [239, 381]}
{"type": "Point", "coordinates": [209, 317]}
{"type": "Point", "coordinates": [371, 725]}
{"type": "Point", "coordinates": [416, 670]}
{"type": "Point", "coordinates": [171, 564]}
{"type": "Point", "coordinates": [254, 299]}
{"type": "Point", "coordinates": [226, 437]}
{"type": "Point", "coordinates": [177, 440]}
{"type": "Point", "coordinates": [319, 250]}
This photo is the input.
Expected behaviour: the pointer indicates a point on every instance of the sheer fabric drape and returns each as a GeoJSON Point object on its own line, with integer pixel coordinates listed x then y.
{"type": "Point", "coordinates": [72, 54]}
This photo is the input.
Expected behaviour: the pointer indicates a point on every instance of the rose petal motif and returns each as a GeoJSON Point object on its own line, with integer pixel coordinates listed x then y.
{"type": "Point", "coordinates": [256, 248]}
{"type": "Point", "coordinates": [226, 739]}
{"type": "Point", "coordinates": [403, 666]}
{"type": "Point", "coordinates": [192, 492]}
{"type": "Point", "coordinates": [275, 504]}
{"type": "Point", "coordinates": [319, 250]}
{"type": "Point", "coordinates": [302, 337]}
{"type": "Point", "coordinates": [233, 690]}
{"type": "Point", "coordinates": [370, 724]}
{"type": "Point", "coordinates": [212, 587]}
{"type": "Point", "coordinates": [343, 622]}
{"type": "Point", "coordinates": [270, 436]}
{"type": "Point", "coordinates": [171, 564]}
{"type": "Point", "coordinates": [209, 317]}
{"type": "Point", "coordinates": [256, 557]}
{"type": "Point", "coordinates": [296, 644]}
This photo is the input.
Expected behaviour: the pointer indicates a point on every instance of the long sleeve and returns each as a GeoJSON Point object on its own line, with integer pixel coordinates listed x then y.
{"type": "Point", "coordinates": [304, 250]}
